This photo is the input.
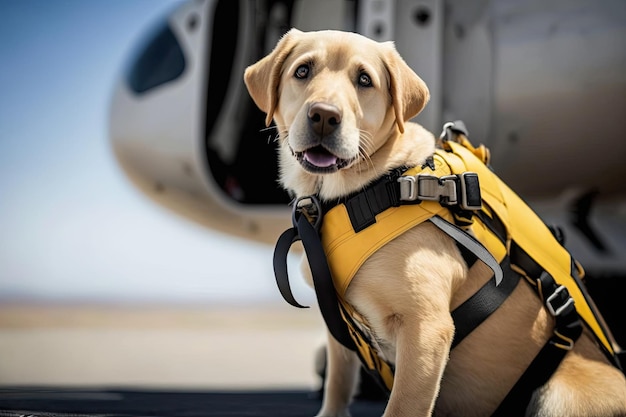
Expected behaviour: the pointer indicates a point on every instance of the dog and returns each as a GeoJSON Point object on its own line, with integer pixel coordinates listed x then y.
{"type": "Point", "coordinates": [341, 104]}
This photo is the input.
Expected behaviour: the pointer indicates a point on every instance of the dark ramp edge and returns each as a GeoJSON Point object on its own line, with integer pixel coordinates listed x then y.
{"type": "Point", "coordinates": [72, 402]}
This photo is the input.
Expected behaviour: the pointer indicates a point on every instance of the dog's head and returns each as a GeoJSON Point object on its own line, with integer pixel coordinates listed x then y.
{"type": "Point", "coordinates": [335, 97]}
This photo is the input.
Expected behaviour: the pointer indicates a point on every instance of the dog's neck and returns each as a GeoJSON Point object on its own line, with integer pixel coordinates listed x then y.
{"type": "Point", "coordinates": [408, 149]}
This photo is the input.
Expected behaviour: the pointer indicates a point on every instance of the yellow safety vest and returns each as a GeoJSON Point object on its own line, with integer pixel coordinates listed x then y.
{"type": "Point", "coordinates": [346, 249]}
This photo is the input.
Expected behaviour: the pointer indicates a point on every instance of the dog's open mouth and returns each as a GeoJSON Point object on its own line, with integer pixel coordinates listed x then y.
{"type": "Point", "coordinates": [320, 161]}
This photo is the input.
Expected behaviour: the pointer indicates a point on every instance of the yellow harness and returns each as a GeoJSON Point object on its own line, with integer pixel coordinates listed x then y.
{"type": "Point", "coordinates": [459, 193]}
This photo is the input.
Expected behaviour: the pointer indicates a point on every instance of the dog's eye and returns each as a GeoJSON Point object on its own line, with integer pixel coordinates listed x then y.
{"type": "Point", "coordinates": [365, 80]}
{"type": "Point", "coordinates": [302, 72]}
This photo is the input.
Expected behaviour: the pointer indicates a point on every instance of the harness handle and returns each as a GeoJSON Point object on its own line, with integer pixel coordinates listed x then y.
{"type": "Point", "coordinates": [322, 279]}
{"type": "Point", "coordinates": [286, 239]}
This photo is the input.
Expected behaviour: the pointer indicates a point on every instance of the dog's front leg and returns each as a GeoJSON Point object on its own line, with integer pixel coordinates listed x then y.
{"type": "Point", "coordinates": [422, 349]}
{"type": "Point", "coordinates": [341, 378]}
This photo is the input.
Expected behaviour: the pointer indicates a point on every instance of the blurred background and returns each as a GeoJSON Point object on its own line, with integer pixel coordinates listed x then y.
{"type": "Point", "coordinates": [98, 284]}
{"type": "Point", "coordinates": [138, 195]}
{"type": "Point", "coordinates": [73, 227]}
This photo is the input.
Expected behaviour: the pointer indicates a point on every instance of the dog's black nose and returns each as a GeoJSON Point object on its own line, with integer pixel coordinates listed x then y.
{"type": "Point", "coordinates": [324, 118]}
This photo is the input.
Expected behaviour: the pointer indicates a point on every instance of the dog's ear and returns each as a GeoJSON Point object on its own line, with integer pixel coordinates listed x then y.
{"type": "Point", "coordinates": [263, 78]}
{"type": "Point", "coordinates": [409, 93]}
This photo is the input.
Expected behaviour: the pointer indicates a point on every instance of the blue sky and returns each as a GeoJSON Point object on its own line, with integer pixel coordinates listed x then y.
{"type": "Point", "coordinates": [72, 228]}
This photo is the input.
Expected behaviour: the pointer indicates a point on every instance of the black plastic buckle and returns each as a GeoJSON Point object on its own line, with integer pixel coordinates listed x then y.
{"type": "Point", "coordinates": [470, 197]}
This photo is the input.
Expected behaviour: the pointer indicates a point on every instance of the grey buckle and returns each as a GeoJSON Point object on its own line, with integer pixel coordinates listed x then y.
{"type": "Point", "coordinates": [424, 187]}
{"type": "Point", "coordinates": [408, 188]}
{"type": "Point", "coordinates": [553, 296]}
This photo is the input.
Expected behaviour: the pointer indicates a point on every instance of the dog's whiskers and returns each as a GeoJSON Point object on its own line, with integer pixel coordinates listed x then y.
{"type": "Point", "coordinates": [282, 133]}
{"type": "Point", "coordinates": [279, 132]}
{"type": "Point", "coordinates": [365, 146]}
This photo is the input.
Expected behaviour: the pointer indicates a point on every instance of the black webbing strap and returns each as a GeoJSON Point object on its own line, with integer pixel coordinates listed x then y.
{"type": "Point", "coordinates": [520, 258]}
{"type": "Point", "coordinates": [476, 309]}
{"type": "Point", "coordinates": [567, 329]}
{"type": "Point", "coordinates": [493, 223]}
{"type": "Point", "coordinates": [286, 239]}
{"type": "Point", "coordinates": [365, 205]}
{"type": "Point", "coordinates": [322, 279]}
{"type": "Point", "coordinates": [620, 357]}
{"type": "Point", "coordinates": [490, 296]}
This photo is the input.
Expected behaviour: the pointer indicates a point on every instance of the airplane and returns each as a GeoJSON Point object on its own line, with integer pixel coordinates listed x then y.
{"type": "Point", "coordinates": [541, 83]}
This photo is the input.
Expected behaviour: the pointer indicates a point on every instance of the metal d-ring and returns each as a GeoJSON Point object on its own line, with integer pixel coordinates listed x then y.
{"type": "Point", "coordinates": [313, 210]}
{"type": "Point", "coordinates": [444, 132]}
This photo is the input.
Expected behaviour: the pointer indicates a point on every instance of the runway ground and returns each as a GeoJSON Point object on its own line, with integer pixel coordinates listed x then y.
{"type": "Point", "coordinates": [156, 346]}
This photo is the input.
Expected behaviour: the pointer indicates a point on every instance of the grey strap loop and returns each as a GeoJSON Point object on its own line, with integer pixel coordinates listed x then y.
{"type": "Point", "coordinates": [471, 244]}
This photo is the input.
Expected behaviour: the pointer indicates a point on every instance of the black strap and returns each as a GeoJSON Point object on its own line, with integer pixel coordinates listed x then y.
{"type": "Point", "coordinates": [364, 205]}
{"type": "Point", "coordinates": [520, 258]}
{"type": "Point", "coordinates": [536, 375]}
{"type": "Point", "coordinates": [288, 238]}
{"type": "Point", "coordinates": [566, 331]}
{"type": "Point", "coordinates": [322, 279]}
{"type": "Point", "coordinates": [620, 357]}
{"type": "Point", "coordinates": [483, 303]}
{"type": "Point", "coordinates": [493, 223]}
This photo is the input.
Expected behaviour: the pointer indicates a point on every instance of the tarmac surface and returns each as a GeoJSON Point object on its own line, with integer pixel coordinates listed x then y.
{"type": "Point", "coordinates": [225, 347]}
{"type": "Point", "coordinates": [178, 360]}
{"type": "Point", "coordinates": [124, 360]}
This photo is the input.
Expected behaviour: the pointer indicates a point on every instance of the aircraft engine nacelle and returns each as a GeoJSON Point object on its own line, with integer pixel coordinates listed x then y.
{"type": "Point", "coordinates": [179, 112]}
{"type": "Point", "coordinates": [540, 83]}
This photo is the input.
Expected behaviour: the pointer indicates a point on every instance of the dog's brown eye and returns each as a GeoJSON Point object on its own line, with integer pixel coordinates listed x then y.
{"type": "Point", "coordinates": [302, 72]}
{"type": "Point", "coordinates": [365, 80]}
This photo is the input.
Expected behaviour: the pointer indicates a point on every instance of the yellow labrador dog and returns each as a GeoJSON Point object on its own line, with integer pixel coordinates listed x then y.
{"type": "Point", "coordinates": [341, 104]}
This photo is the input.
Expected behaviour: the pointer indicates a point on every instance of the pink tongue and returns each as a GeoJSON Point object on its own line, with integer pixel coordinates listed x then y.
{"type": "Point", "coordinates": [320, 159]}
